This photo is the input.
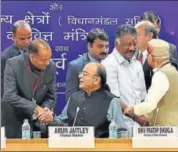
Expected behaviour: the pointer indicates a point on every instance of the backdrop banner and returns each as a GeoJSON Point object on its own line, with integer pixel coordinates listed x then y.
{"type": "Point", "coordinates": [65, 24]}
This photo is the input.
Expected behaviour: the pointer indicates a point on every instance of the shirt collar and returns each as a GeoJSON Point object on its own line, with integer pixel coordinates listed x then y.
{"type": "Point", "coordinates": [145, 53]}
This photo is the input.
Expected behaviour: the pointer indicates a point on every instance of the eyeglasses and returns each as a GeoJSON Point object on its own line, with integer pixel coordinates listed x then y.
{"type": "Point", "coordinates": [85, 74]}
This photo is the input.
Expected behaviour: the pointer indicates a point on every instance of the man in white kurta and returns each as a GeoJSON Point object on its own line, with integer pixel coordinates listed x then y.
{"type": "Point", "coordinates": [125, 75]}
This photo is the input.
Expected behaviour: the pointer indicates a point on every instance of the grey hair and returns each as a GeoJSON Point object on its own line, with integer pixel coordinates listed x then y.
{"type": "Point", "coordinates": [36, 44]}
{"type": "Point", "coordinates": [148, 27]}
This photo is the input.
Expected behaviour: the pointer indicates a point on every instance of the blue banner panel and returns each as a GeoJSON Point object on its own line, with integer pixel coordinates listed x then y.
{"type": "Point", "coordinates": [64, 24]}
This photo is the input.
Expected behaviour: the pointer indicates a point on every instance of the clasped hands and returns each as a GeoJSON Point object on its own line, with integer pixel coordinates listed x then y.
{"type": "Point", "coordinates": [142, 119]}
{"type": "Point", "coordinates": [44, 115]}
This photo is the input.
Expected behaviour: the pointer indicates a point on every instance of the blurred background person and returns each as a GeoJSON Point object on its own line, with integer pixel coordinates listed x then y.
{"type": "Point", "coordinates": [146, 31]}
{"type": "Point", "coordinates": [21, 35]}
{"type": "Point", "coordinates": [156, 20]}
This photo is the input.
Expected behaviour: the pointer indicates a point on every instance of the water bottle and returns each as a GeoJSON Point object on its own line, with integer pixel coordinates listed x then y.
{"type": "Point", "coordinates": [26, 130]}
{"type": "Point", "coordinates": [113, 129]}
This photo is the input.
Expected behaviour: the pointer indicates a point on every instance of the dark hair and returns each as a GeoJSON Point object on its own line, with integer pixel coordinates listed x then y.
{"type": "Point", "coordinates": [35, 45]}
{"type": "Point", "coordinates": [124, 30]}
{"type": "Point", "coordinates": [150, 16]}
{"type": "Point", "coordinates": [19, 23]}
{"type": "Point", "coordinates": [101, 72]}
{"type": "Point", "coordinates": [97, 33]}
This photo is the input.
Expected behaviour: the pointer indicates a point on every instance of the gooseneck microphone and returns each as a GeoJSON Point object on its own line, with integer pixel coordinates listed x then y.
{"type": "Point", "coordinates": [76, 114]}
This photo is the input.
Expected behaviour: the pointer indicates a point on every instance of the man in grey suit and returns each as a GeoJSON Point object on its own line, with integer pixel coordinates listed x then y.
{"type": "Point", "coordinates": [156, 20]}
{"type": "Point", "coordinates": [21, 34]}
{"type": "Point", "coordinates": [98, 48]}
{"type": "Point", "coordinates": [29, 90]}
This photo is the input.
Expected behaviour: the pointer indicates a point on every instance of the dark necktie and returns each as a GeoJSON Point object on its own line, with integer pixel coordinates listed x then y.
{"type": "Point", "coordinates": [140, 58]}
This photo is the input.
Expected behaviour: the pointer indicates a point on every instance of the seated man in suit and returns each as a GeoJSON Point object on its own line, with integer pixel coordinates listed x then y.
{"type": "Point", "coordinates": [94, 105]}
{"type": "Point", "coordinates": [98, 47]}
{"type": "Point", "coordinates": [21, 35]}
{"type": "Point", "coordinates": [161, 102]}
{"type": "Point", "coordinates": [156, 20]}
{"type": "Point", "coordinates": [29, 89]}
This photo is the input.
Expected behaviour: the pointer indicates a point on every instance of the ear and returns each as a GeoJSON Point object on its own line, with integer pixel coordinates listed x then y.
{"type": "Point", "coordinates": [150, 36]}
{"type": "Point", "coordinates": [31, 56]}
{"type": "Point", "coordinates": [13, 37]}
{"type": "Point", "coordinates": [97, 80]}
{"type": "Point", "coordinates": [116, 43]}
{"type": "Point", "coordinates": [89, 46]}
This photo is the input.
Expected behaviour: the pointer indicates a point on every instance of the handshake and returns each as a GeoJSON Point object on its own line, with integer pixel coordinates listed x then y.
{"type": "Point", "coordinates": [142, 119]}
{"type": "Point", "coordinates": [44, 115]}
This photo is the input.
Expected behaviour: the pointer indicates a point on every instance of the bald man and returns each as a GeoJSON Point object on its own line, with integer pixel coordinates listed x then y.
{"type": "Point", "coordinates": [29, 89]}
{"type": "Point", "coordinates": [21, 35]}
{"type": "Point", "coordinates": [95, 105]}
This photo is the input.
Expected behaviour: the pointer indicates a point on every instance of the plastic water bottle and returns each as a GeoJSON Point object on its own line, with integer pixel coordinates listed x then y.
{"type": "Point", "coordinates": [112, 129]}
{"type": "Point", "coordinates": [26, 130]}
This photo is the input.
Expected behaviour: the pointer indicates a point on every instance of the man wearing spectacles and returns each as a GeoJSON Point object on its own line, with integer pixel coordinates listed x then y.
{"type": "Point", "coordinates": [94, 105]}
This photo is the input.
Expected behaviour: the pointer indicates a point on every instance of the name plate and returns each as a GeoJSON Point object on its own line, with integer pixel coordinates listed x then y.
{"type": "Point", "coordinates": [71, 137]}
{"type": "Point", "coordinates": [155, 137]}
{"type": "Point", "coordinates": [3, 138]}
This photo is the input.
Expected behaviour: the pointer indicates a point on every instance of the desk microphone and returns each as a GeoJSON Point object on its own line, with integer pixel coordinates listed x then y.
{"type": "Point", "coordinates": [77, 110]}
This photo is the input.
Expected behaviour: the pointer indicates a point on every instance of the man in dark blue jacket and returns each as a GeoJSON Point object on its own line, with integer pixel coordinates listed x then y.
{"type": "Point", "coordinates": [21, 34]}
{"type": "Point", "coordinates": [98, 48]}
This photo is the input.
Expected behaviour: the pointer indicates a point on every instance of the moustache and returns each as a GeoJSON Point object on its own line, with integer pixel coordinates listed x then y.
{"type": "Point", "coordinates": [103, 53]}
{"type": "Point", "coordinates": [131, 51]}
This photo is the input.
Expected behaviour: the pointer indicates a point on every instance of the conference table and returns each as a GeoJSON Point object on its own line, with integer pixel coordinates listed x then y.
{"type": "Point", "coordinates": [100, 145]}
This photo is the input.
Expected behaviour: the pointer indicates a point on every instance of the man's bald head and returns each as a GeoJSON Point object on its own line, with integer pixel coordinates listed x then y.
{"type": "Point", "coordinates": [93, 77]}
{"type": "Point", "coordinates": [22, 34]}
{"type": "Point", "coordinates": [20, 24]}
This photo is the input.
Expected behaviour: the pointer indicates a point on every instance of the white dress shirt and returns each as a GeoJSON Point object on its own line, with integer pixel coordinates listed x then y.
{"type": "Point", "coordinates": [125, 79]}
{"type": "Point", "coordinates": [159, 87]}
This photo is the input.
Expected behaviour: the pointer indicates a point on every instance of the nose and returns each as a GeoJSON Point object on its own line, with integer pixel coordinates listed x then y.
{"type": "Point", "coordinates": [80, 75]}
{"type": "Point", "coordinates": [132, 46]}
{"type": "Point", "coordinates": [26, 41]}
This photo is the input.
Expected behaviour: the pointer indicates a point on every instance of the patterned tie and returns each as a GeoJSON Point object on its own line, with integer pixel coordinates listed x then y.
{"type": "Point", "coordinates": [140, 58]}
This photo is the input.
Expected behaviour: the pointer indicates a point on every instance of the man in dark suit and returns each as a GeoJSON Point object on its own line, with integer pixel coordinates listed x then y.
{"type": "Point", "coordinates": [29, 90]}
{"type": "Point", "coordinates": [146, 31]}
{"type": "Point", "coordinates": [98, 48]}
{"type": "Point", "coordinates": [156, 20]}
{"type": "Point", "coordinates": [21, 34]}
